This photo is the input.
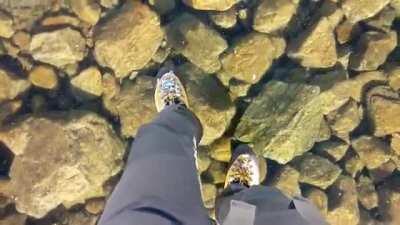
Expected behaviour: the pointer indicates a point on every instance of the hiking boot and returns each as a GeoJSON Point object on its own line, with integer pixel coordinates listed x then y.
{"type": "Point", "coordinates": [169, 89]}
{"type": "Point", "coordinates": [244, 168]}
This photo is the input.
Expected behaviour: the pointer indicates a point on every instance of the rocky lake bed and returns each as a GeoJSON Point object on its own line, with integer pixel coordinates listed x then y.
{"type": "Point", "coordinates": [312, 85]}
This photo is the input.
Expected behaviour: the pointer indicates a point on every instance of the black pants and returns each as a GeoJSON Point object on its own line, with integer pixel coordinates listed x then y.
{"type": "Point", "coordinates": [160, 184]}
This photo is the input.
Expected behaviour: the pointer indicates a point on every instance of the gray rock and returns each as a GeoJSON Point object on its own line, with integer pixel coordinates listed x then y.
{"type": "Point", "coordinates": [287, 181]}
{"type": "Point", "coordinates": [356, 10]}
{"type": "Point", "coordinates": [139, 93]}
{"type": "Point", "coordinates": [209, 100]}
{"type": "Point", "coordinates": [58, 48]}
{"type": "Point", "coordinates": [372, 151]}
{"type": "Point", "coordinates": [283, 121]}
{"type": "Point", "coordinates": [367, 194]}
{"type": "Point", "coordinates": [317, 171]}
{"type": "Point", "coordinates": [334, 150]}
{"type": "Point", "coordinates": [128, 41]}
{"type": "Point", "coordinates": [78, 153]}
{"type": "Point", "coordinates": [11, 86]}
{"type": "Point", "coordinates": [198, 42]}
{"type": "Point", "coordinates": [343, 204]}
{"type": "Point", "coordinates": [274, 15]}
{"type": "Point", "coordinates": [372, 50]}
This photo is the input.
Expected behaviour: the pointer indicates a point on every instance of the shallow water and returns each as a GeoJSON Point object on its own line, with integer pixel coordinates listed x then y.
{"type": "Point", "coordinates": [312, 86]}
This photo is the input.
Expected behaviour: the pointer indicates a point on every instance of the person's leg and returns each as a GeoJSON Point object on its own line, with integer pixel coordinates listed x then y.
{"type": "Point", "coordinates": [244, 202]}
{"type": "Point", "coordinates": [160, 184]}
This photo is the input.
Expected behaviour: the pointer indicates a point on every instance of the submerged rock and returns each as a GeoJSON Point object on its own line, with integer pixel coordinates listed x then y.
{"type": "Point", "coordinates": [95, 206]}
{"type": "Point", "coordinates": [199, 43]}
{"type": "Point", "coordinates": [367, 194]}
{"type": "Point", "coordinates": [109, 3]}
{"type": "Point", "coordinates": [88, 84]}
{"type": "Point", "coordinates": [128, 40]}
{"type": "Point", "coordinates": [11, 86]}
{"type": "Point", "coordinates": [13, 219]}
{"type": "Point", "coordinates": [163, 6]}
{"type": "Point", "coordinates": [216, 5]}
{"type": "Point", "coordinates": [332, 149]}
{"type": "Point", "coordinates": [389, 202]}
{"type": "Point", "coordinates": [354, 165]}
{"type": "Point", "coordinates": [226, 19]}
{"type": "Point", "coordinates": [357, 10]}
{"type": "Point", "coordinates": [395, 143]}
{"type": "Point", "coordinates": [209, 100]}
{"type": "Point", "coordinates": [316, 46]}
{"type": "Point", "coordinates": [346, 31]}
{"type": "Point", "coordinates": [138, 93]}
{"type": "Point", "coordinates": [283, 121]}
{"type": "Point", "coordinates": [77, 152]}
{"type": "Point", "coordinates": [203, 159]}
{"type": "Point", "coordinates": [44, 77]}
{"type": "Point", "coordinates": [274, 15]}
{"type": "Point", "coordinates": [250, 57]}
{"type": "Point", "coordinates": [287, 181]}
{"type": "Point", "coordinates": [221, 150]}
{"type": "Point", "coordinates": [209, 194]}
{"type": "Point", "coordinates": [342, 91]}
{"type": "Point", "coordinates": [26, 13]}
{"type": "Point", "coordinates": [87, 10]}
{"type": "Point", "coordinates": [317, 171]}
{"type": "Point", "coordinates": [319, 199]}
{"type": "Point", "coordinates": [372, 151]}
{"type": "Point", "coordinates": [394, 78]}
{"type": "Point", "coordinates": [58, 48]}
{"type": "Point", "coordinates": [6, 25]}
{"type": "Point", "coordinates": [383, 110]}
{"type": "Point", "coordinates": [345, 119]}
{"type": "Point", "coordinates": [8, 108]}
{"type": "Point", "coordinates": [343, 204]}
{"type": "Point", "coordinates": [372, 50]}
{"type": "Point", "coordinates": [217, 172]}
